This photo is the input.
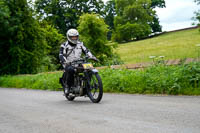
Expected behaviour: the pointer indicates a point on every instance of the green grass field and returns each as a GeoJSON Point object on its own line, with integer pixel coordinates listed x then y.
{"type": "Point", "coordinates": [174, 45]}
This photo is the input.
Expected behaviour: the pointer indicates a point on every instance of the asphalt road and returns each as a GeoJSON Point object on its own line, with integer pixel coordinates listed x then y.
{"type": "Point", "coordinates": [35, 111]}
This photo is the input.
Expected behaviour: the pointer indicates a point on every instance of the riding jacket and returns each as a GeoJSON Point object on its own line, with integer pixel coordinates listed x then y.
{"type": "Point", "coordinates": [69, 53]}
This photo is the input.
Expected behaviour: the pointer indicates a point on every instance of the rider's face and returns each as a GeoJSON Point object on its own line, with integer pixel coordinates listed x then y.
{"type": "Point", "coordinates": [74, 37]}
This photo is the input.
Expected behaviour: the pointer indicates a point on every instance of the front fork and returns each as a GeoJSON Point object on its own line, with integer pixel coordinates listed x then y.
{"type": "Point", "coordinates": [88, 75]}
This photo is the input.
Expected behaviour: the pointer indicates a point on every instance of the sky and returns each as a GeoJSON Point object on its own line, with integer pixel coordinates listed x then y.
{"type": "Point", "coordinates": [177, 14]}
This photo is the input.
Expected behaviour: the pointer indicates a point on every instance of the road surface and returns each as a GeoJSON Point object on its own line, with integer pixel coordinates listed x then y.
{"type": "Point", "coordinates": [36, 111]}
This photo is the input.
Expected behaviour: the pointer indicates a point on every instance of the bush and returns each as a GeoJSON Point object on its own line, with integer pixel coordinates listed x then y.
{"type": "Point", "coordinates": [129, 32]}
{"type": "Point", "coordinates": [154, 80]}
{"type": "Point", "coordinates": [93, 32]}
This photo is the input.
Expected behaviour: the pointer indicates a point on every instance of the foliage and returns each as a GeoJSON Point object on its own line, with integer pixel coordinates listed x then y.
{"type": "Point", "coordinates": [197, 14]}
{"type": "Point", "coordinates": [54, 39]}
{"type": "Point", "coordinates": [154, 80]}
{"type": "Point", "coordinates": [197, 1]}
{"type": "Point", "coordinates": [109, 16]}
{"type": "Point", "coordinates": [155, 24]}
{"type": "Point", "coordinates": [132, 15]}
{"type": "Point", "coordinates": [22, 45]}
{"type": "Point", "coordinates": [93, 31]}
{"type": "Point", "coordinates": [42, 81]}
{"type": "Point", "coordinates": [64, 14]}
{"type": "Point", "coordinates": [27, 45]}
{"type": "Point", "coordinates": [138, 16]}
{"type": "Point", "coordinates": [158, 3]}
{"type": "Point", "coordinates": [130, 31]}
{"type": "Point", "coordinates": [160, 79]}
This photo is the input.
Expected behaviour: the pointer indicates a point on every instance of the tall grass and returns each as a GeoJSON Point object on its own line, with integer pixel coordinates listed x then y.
{"type": "Point", "coordinates": [158, 79]}
{"type": "Point", "coordinates": [42, 81]}
{"type": "Point", "coordinates": [175, 45]}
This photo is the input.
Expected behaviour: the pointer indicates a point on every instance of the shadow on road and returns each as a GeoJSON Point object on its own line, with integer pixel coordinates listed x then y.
{"type": "Point", "coordinates": [78, 101]}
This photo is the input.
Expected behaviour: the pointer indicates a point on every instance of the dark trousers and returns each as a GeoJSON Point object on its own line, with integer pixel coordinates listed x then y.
{"type": "Point", "coordinates": [68, 75]}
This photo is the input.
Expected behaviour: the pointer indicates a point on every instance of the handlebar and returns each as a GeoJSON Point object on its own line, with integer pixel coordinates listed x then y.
{"type": "Point", "coordinates": [82, 60]}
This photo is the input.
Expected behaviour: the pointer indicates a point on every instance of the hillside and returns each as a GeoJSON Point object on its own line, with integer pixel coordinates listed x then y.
{"type": "Point", "coordinates": [172, 45]}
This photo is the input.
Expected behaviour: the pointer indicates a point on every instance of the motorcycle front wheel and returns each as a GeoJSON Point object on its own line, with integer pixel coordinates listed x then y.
{"type": "Point", "coordinates": [95, 88]}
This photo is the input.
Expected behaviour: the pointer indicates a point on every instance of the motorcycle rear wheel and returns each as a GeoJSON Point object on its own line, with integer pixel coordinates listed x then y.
{"type": "Point", "coordinates": [69, 97]}
{"type": "Point", "coordinates": [95, 88]}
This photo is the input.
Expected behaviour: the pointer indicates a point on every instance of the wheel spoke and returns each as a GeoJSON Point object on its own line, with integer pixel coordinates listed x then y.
{"type": "Point", "coordinates": [94, 86]}
{"type": "Point", "coordinates": [95, 91]}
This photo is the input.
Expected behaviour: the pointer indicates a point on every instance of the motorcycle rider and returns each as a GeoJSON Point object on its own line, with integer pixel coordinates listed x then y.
{"type": "Point", "coordinates": [70, 51]}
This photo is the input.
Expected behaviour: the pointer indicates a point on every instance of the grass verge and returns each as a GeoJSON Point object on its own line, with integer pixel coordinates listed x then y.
{"type": "Point", "coordinates": [159, 79]}
{"type": "Point", "coordinates": [42, 81]}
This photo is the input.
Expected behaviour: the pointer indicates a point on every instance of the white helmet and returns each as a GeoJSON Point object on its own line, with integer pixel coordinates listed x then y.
{"type": "Point", "coordinates": [73, 36]}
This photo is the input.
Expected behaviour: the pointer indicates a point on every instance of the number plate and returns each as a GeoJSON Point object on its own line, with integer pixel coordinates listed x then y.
{"type": "Point", "coordinates": [87, 66]}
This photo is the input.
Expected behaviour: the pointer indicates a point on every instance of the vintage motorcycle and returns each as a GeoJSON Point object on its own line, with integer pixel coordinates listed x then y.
{"type": "Point", "coordinates": [87, 82]}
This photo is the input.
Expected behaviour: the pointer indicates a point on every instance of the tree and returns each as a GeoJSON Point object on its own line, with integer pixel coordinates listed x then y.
{"type": "Point", "coordinates": [23, 44]}
{"type": "Point", "coordinates": [155, 24]}
{"type": "Point", "coordinates": [110, 13]}
{"type": "Point", "coordinates": [197, 13]}
{"type": "Point", "coordinates": [4, 31]}
{"type": "Point", "coordinates": [136, 15]}
{"type": "Point", "coordinates": [53, 39]}
{"type": "Point", "coordinates": [64, 14]}
{"type": "Point", "coordinates": [157, 3]}
{"type": "Point", "coordinates": [93, 31]}
{"type": "Point", "coordinates": [197, 1]}
{"type": "Point", "coordinates": [132, 20]}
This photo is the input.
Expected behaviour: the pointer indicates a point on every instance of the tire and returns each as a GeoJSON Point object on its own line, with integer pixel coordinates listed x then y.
{"type": "Point", "coordinates": [69, 97]}
{"type": "Point", "coordinates": [64, 85]}
{"type": "Point", "coordinates": [95, 87]}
